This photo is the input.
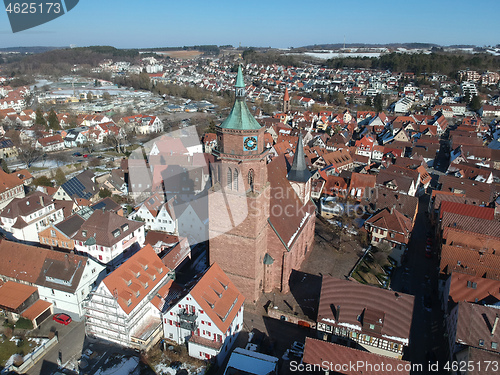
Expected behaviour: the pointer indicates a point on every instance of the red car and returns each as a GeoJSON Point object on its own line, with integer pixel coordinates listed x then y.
{"type": "Point", "coordinates": [85, 156]}
{"type": "Point", "coordinates": [62, 318]}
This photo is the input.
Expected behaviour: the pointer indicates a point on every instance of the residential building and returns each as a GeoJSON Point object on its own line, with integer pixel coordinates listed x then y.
{"type": "Point", "coordinates": [10, 187]}
{"type": "Point", "coordinates": [63, 279]}
{"type": "Point", "coordinates": [109, 237]}
{"type": "Point", "coordinates": [81, 186]}
{"type": "Point", "coordinates": [126, 306]}
{"type": "Point", "coordinates": [51, 143]}
{"type": "Point", "coordinates": [378, 320]}
{"type": "Point", "coordinates": [208, 318]}
{"type": "Point", "coordinates": [26, 217]}
{"type": "Point", "coordinates": [391, 227]}
{"type": "Point", "coordinates": [470, 325]}
{"type": "Point", "coordinates": [321, 357]}
{"type": "Point", "coordinates": [157, 214]}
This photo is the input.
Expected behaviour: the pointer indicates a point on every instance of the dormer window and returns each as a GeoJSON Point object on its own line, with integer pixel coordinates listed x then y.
{"type": "Point", "coordinates": [116, 233]}
{"type": "Point", "coordinates": [84, 233]}
{"type": "Point", "coordinates": [129, 282]}
{"type": "Point", "coordinates": [137, 294]}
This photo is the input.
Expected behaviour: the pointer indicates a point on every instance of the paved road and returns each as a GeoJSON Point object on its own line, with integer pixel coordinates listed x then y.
{"type": "Point", "coordinates": [70, 345]}
{"type": "Point", "coordinates": [419, 277]}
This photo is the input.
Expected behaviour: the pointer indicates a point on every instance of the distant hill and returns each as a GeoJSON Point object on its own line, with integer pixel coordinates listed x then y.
{"type": "Point", "coordinates": [366, 45]}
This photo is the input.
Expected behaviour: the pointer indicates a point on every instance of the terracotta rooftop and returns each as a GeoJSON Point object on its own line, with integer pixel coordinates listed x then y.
{"type": "Point", "coordinates": [136, 278]}
{"type": "Point", "coordinates": [467, 210]}
{"type": "Point", "coordinates": [218, 297]}
{"type": "Point", "coordinates": [475, 326]}
{"type": "Point", "coordinates": [41, 266]}
{"type": "Point", "coordinates": [354, 299]}
{"type": "Point", "coordinates": [13, 295]}
{"type": "Point", "coordinates": [8, 181]}
{"type": "Point", "coordinates": [318, 352]}
{"type": "Point", "coordinates": [36, 309]}
{"type": "Point", "coordinates": [474, 289]}
{"type": "Point", "coordinates": [470, 262]}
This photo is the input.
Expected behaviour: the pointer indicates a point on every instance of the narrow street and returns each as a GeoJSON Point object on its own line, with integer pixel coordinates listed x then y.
{"type": "Point", "coordinates": [419, 277]}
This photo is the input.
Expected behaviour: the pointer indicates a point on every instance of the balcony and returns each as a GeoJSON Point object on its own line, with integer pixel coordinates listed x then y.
{"type": "Point", "coordinates": [187, 320]}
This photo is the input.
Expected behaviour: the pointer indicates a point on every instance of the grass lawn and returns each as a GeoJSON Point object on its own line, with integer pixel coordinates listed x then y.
{"type": "Point", "coordinates": [7, 348]}
{"type": "Point", "coordinates": [372, 270]}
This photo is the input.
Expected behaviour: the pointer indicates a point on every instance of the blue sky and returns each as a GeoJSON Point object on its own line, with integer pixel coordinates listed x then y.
{"type": "Point", "coordinates": [275, 23]}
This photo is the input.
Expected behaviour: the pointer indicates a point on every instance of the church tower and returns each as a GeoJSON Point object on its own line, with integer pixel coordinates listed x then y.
{"type": "Point", "coordinates": [299, 175]}
{"type": "Point", "coordinates": [286, 101]}
{"type": "Point", "coordinates": [239, 198]}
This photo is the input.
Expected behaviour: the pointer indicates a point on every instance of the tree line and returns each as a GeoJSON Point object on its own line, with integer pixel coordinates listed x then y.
{"type": "Point", "coordinates": [419, 63]}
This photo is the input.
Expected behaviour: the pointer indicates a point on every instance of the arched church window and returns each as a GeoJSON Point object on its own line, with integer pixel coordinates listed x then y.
{"type": "Point", "coordinates": [235, 179]}
{"type": "Point", "coordinates": [229, 178]}
{"type": "Point", "coordinates": [250, 179]}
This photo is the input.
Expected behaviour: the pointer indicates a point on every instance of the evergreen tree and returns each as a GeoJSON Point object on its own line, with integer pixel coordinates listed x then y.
{"type": "Point", "coordinates": [40, 120]}
{"type": "Point", "coordinates": [378, 103]}
{"type": "Point", "coordinates": [475, 103]}
{"type": "Point", "coordinates": [53, 121]}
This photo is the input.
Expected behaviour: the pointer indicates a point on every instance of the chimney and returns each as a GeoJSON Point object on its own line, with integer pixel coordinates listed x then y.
{"type": "Point", "coordinates": [337, 311]}
{"type": "Point", "coordinates": [41, 201]}
{"type": "Point", "coordinates": [494, 325]}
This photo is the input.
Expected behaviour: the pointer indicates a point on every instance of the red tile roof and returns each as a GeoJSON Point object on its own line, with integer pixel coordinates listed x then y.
{"type": "Point", "coordinates": [218, 297]}
{"type": "Point", "coordinates": [133, 280]}
{"type": "Point", "coordinates": [470, 288]}
{"type": "Point", "coordinates": [475, 324]}
{"type": "Point", "coordinates": [354, 298]}
{"type": "Point", "coordinates": [467, 210]}
{"type": "Point", "coordinates": [13, 295]}
{"type": "Point", "coordinates": [318, 352]}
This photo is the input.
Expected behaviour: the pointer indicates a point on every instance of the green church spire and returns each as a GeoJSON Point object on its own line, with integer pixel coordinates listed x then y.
{"type": "Point", "coordinates": [240, 117]}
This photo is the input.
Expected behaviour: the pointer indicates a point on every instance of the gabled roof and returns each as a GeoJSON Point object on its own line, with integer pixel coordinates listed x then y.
{"type": "Point", "coordinates": [49, 268]}
{"type": "Point", "coordinates": [218, 297]}
{"type": "Point", "coordinates": [470, 210]}
{"type": "Point", "coordinates": [393, 221]}
{"type": "Point", "coordinates": [328, 355]}
{"type": "Point", "coordinates": [8, 181]}
{"type": "Point", "coordinates": [27, 205]}
{"type": "Point", "coordinates": [13, 295]}
{"type": "Point", "coordinates": [471, 262]}
{"type": "Point", "coordinates": [474, 289]}
{"type": "Point", "coordinates": [286, 226]}
{"type": "Point", "coordinates": [81, 186]}
{"type": "Point", "coordinates": [107, 228]}
{"type": "Point", "coordinates": [475, 325]}
{"type": "Point", "coordinates": [355, 298]}
{"type": "Point", "coordinates": [136, 278]}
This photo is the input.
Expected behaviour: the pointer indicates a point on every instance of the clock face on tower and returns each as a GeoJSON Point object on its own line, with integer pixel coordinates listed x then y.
{"type": "Point", "coordinates": [249, 143]}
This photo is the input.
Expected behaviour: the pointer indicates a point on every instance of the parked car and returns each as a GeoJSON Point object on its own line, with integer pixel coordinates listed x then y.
{"type": "Point", "coordinates": [77, 154]}
{"type": "Point", "coordinates": [85, 156]}
{"type": "Point", "coordinates": [298, 346]}
{"type": "Point", "coordinates": [62, 318]}
{"type": "Point", "coordinates": [428, 251]}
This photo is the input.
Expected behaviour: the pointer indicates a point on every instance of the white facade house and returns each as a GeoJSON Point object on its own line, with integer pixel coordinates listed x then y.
{"type": "Point", "coordinates": [403, 105]}
{"type": "Point", "coordinates": [26, 217]}
{"type": "Point", "coordinates": [105, 236]}
{"type": "Point", "coordinates": [157, 214]}
{"type": "Point", "coordinates": [49, 144]}
{"type": "Point", "coordinates": [63, 279]}
{"type": "Point", "coordinates": [126, 307]}
{"type": "Point", "coordinates": [208, 318]}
